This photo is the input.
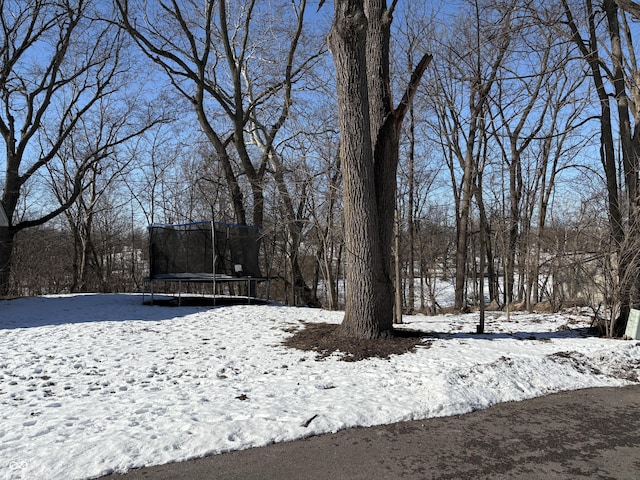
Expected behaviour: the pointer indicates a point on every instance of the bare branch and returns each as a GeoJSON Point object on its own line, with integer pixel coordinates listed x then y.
{"type": "Point", "coordinates": [630, 6]}
{"type": "Point", "coordinates": [412, 87]}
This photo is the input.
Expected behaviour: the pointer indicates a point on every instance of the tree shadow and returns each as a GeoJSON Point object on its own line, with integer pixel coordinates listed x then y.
{"type": "Point", "coordinates": [32, 312]}
{"type": "Point", "coordinates": [582, 332]}
{"type": "Point", "coordinates": [323, 339]}
{"type": "Point", "coordinates": [204, 301]}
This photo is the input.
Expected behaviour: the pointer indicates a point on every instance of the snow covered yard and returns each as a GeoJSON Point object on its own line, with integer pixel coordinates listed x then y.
{"type": "Point", "coordinates": [92, 384]}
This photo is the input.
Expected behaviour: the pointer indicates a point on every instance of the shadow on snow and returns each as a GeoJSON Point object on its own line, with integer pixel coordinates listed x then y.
{"type": "Point", "coordinates": [98, 307]}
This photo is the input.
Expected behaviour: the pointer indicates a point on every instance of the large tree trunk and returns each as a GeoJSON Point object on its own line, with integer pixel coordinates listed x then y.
{"type": "Point", "coordinates": [385, 136]}
{"type": "Point", "coordinates": [9, 202]}
{"type": "Point", "coordinates": [368, 314]}
{"type": "Point", "coordinates": [359, 41]}
{"type": "Point", "coordinates": [6, 248]}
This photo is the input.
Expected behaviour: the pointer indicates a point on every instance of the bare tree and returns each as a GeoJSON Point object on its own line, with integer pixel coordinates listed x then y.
{"type": "Point", "coordinates": [239, 75]}
{"type": "Point", "coordinates": [622, 205]}
{"type": "Point", "coordinates": [57, 63]}
{"type": "Point", "coordinates": [527, 108]}
{"type": "Point", "coordinates": [102, 132]}
{"type": "Point", "coordinates": [414, 34]}
{"type": "Point", "coordinates": [461, 107]}
{"type": "Point", "coordinates": [370, 128]}
{"type": "Point", "coordinates": [629, 6]}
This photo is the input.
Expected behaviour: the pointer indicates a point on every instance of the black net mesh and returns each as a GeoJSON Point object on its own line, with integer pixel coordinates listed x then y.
{"type": "Point", "coordinates": [188, 249]}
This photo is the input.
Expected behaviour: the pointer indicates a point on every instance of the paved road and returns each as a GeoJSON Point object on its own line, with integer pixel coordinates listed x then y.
{"type": "Point", "coordinates": [586, 434]}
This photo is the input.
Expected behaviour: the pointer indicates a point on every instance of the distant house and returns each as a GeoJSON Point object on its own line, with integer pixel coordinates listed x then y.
{"type": "Point", "coordinates": [4, 221]}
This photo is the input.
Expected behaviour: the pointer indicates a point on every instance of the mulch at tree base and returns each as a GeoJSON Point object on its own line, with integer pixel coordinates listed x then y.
{"type": "Point", "coordinates": [325, 339]}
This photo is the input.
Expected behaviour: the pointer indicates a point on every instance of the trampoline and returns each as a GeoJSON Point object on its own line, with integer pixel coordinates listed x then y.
{"type": "Point", "coordinates": [204, 252]}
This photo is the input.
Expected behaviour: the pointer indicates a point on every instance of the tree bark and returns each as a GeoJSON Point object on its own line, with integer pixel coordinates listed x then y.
{"type": "Point", "coordinates": [359, 40]}
{"type": "Point", "coordinates": [7, 236]}
{"type": "Point", "coordinates": [366, 315]}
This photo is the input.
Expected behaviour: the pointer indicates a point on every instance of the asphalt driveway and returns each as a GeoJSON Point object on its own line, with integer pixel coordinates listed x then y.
{"type": "Point", "coordinates": [584, 434]}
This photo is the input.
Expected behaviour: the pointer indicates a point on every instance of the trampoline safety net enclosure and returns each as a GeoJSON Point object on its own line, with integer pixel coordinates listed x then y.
{"type": "Point", "coordinates": [204, 252]}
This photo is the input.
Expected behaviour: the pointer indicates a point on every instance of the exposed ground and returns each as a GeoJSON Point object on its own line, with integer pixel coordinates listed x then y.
{"type": "Point", "coordinates": [323, 338]}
